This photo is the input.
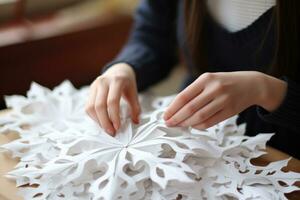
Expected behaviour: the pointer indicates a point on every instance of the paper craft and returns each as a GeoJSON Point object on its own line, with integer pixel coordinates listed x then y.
{"type": "Point", "coordinates": [65, 155]}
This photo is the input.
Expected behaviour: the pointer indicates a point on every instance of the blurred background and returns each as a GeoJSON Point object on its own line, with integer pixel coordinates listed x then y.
{"type": "Point", "coordinates": [48, 41]}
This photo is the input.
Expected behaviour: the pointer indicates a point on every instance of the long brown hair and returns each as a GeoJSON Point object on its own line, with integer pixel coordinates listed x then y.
{"type": "Point", "coordinates": [286, 17]}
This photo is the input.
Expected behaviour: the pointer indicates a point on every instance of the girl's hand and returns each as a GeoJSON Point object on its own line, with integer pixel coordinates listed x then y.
{"type": "Point", "coordinates": [214, 97]}
{"type": "Point", "coordinates": [103, 104]}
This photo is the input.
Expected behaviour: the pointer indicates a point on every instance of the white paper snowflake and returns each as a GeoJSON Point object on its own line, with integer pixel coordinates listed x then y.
{"type": "Point", "coordinates": [65, 155]}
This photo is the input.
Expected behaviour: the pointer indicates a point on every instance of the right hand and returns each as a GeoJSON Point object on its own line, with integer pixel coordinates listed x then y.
{"type": "Point", "coordinates": [103, 104]}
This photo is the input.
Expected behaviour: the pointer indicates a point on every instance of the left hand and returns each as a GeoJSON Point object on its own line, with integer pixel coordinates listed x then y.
{"type": "Point", "coordinates": [214, 97]}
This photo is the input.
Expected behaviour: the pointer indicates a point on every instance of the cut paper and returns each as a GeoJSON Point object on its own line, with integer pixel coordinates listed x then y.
{"type": "Point", "coordinates": [65, 155]}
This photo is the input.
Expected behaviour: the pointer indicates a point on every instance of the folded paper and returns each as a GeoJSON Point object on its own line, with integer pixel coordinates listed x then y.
{"type": "Point", "coordinates": [65, 155]}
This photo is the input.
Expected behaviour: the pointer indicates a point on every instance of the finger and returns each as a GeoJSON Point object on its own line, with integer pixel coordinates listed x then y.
{"type": "Point", "coordinates": [215, 119]}
{"type": "Point", "coordinates": [131, 97]}
{"type": "Point", "coordinates": [113, 104]}
{"type": "Point", "coordinates": [90, 105]}
{"type": "Point", "coordinates": [101, 110]}
{"type": "Point", "coordinates": [186, 95]}
{"type": "Point", "coordinates": [204, 113]}
{"type": "Point", "coordinates": [190, 108]}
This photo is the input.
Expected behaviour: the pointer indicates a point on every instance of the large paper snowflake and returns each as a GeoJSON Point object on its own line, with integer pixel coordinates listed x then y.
{"type": "Point", "coordinates": [65, 155]}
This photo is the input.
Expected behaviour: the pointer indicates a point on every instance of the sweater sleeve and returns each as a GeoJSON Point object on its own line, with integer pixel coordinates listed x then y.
{"type": "Point", "coordinates": [288, 113]}
{"type": "Point", "coordinates": [151, 48]}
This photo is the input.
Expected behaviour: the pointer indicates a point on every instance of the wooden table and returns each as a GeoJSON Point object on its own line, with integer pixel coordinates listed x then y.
{"type": "Point", "coordinates": [8, 191]}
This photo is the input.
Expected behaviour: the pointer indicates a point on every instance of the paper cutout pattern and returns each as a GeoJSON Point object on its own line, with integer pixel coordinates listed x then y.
{"type": "Point", "coordinates": [65, 155]}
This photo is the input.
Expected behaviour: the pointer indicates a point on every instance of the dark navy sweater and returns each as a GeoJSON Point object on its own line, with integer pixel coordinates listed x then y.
{"type": "Point", "coordinates": [158, 34]}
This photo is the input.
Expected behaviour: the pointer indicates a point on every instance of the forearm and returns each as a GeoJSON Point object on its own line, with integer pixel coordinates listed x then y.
{"type": "Point", "coordinates": [280, 104]}
{"type": "Point", "coordinates": [272, 92]}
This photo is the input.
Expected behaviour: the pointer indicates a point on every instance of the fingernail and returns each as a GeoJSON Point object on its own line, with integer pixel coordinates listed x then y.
{"type": "Point", "coordinates": [136, 120]}
{"type": "Point", "coordinates": [170, 123]}
{"type": "Point", "coordinates": [115, 126]}
{"type": "Point", "coordinates": [110, 131]}
{"type": "Point", "coordinates": [166, 117]}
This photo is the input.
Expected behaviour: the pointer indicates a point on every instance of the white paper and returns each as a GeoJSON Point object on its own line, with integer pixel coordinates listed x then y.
{"type": "Point", "coordinates": [70, 157]}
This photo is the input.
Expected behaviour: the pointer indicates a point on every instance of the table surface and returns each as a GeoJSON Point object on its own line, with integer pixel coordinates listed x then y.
{"type": "Point", "coordinates": [9, 191]}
